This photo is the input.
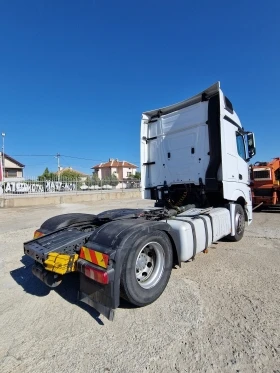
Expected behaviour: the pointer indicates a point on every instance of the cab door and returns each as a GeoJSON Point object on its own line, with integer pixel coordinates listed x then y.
{"type": "Point", "coordinates": [243, 175]}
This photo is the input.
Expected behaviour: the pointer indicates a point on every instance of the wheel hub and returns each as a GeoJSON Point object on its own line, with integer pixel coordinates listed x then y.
{"type": "Point", "coordinates": [149, 265]}
{"type": "Point", "coordinates": [240, 221]}
{"type": "Point", "coordinates": [142, 262]}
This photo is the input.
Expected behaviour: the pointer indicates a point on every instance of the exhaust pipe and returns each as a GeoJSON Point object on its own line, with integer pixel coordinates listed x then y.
{"type": "Point", "coordinates": [51, 279]}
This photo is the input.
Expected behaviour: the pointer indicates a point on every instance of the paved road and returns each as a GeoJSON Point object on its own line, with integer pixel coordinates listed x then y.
{"type": "Point", "coordinates": [219, 313]}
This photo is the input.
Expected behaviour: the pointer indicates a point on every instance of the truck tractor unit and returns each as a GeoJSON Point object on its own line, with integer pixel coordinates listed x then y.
{"type": "Point", "coordinates": [266, 183]}
{"type": "Point", "coordinates": [194, 165]}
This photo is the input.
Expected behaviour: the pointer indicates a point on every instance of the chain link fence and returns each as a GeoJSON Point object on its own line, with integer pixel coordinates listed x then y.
{"type": "Point", "coordinates": [35, 186]}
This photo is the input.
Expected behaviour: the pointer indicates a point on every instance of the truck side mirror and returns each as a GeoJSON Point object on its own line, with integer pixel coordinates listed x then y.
{"type": "Point", "coordinates": [251, 144]}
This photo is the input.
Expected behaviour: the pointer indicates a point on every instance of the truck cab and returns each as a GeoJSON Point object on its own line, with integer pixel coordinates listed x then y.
{"type": "Point", "coordinates": [196, 152]}
{"type": "Point", "coordinates": [266, 183]}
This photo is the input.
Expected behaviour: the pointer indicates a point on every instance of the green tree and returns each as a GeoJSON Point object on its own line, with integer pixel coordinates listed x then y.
{"type": "Point", "coordinates": [137, 175]}
{"type": "Point", "coordinates": [110, 180]}
{"type": "Point", "coordinates": [95, 179]}
{"type": "Point", "coordinates": [47, 175]}
{"type": "Point", "coordinates": [88, 181]}
{"type": "Point", "coordinates": [69, 175]}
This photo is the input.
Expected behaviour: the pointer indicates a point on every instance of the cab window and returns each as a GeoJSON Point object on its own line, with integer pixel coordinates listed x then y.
{"type": "Point", "coordinates": [240, 146]}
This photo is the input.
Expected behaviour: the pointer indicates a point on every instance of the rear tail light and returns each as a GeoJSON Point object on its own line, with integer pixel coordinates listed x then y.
{"type": "Point", "coordinates": [38, 234]}
{"type": "Point", "coordinates": [96, 275]}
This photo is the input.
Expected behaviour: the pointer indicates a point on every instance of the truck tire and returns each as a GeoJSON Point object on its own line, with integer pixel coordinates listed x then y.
{"type": "Point", "coordinates": [239, 220]}
{"type": "Point", "coordinates": [146, 269]}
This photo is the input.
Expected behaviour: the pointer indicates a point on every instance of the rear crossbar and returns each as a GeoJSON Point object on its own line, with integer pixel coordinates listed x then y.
{"type": "Point", "coordinates": [66, 241]}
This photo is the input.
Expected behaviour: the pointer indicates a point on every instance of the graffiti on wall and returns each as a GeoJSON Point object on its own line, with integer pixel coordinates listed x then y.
{"type": "Point", "coordinates": [19, 187]}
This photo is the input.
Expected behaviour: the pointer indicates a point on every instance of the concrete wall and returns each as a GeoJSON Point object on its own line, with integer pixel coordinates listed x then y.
{"type": "Point", "coordinates": [56, 199]}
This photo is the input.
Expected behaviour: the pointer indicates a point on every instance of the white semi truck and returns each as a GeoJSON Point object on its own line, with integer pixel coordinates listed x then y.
{"type": "Point", "coordinates": [194, 164]}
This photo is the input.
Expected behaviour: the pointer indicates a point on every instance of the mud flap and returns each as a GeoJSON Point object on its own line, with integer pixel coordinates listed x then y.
{"type": "Point", "coordinates": [101, 297]}
{"type": "Point", "coordinates": [109, 313]}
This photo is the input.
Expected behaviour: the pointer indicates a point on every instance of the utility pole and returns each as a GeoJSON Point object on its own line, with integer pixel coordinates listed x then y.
{"type": "Point", "coordinates": [3, 153]}
{"type": "Point", "coordinates": [58, 164]}
{"type": "Point", "coordinates": [58, 159]}
{"type": "Point", "coordinates": [3, 159]}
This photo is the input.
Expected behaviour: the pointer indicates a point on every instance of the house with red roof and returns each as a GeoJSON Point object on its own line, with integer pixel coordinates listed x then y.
{"type": "Point", "coordinates": [121, 169]}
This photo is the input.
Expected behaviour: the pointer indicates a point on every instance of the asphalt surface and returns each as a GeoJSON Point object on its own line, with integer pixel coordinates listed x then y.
{"type": "Point", "coordinates": [219, 313]}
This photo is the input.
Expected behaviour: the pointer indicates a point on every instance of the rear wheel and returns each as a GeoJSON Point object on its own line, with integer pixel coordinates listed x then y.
{"type": "Point", "coordinates": [239, 222]}
{"type": "Point", "coordinates": [146, 269]}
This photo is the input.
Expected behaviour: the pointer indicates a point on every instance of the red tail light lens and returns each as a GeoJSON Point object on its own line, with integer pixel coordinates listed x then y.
{"type": "Point", "coordinates": [96, 275]}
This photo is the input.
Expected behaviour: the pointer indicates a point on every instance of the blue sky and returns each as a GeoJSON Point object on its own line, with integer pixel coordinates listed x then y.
{"type": "Point", "coordinates": [75, 76]}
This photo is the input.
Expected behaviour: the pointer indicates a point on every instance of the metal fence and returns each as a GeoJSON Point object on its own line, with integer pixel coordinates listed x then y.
{"type": "Point", "coordinates": [34, 186]}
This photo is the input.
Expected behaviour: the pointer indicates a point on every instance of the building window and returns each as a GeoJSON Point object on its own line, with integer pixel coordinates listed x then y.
{"type": "Point", "coordinates": [11, 173]}
{"type": "Point", "coordinates": [128, 174]}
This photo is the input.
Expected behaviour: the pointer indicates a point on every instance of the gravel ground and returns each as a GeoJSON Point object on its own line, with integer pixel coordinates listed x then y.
{"type": "Point", "coordinates": [219, 313]}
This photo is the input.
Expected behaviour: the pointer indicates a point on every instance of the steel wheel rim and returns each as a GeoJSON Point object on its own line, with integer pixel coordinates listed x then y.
{"type": "Point", "coordinates": [239, 223]}
{"type": "Point", "coordinates": [149, 265]}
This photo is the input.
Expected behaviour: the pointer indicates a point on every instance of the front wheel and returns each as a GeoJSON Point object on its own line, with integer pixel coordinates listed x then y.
{"type": "Point", "coordinates": [239, 222]}
{"type": "Point", "coordinates": [146, 269]}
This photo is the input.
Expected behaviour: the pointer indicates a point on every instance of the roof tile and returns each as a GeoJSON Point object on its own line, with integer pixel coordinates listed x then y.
{"type": "Point", "coordinates": [115, 163]}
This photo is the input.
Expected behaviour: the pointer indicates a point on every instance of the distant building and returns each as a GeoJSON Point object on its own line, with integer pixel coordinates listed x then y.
{"type": "Point", "coordinates": [82, 176]}
{"type": "Point", "coordinates": [12, 170]}
{"type": "Point", "coordinates": [121, 169]}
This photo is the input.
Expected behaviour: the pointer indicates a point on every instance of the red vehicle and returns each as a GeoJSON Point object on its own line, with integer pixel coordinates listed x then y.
{"type": "Point", "coordinates": [266, 185]}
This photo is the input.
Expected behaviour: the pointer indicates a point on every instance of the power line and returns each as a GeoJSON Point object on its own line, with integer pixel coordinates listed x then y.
{"type": "Point", "coordinates": [61, 155]}
{"type": "Point", "coordinates": [84, 159]}
{"type": "Point", "coordinates": [55, 155]}
{"type": "Point", "coordinates": [32, 155]}
{"type": "Point", "coordinates": [35, 165]}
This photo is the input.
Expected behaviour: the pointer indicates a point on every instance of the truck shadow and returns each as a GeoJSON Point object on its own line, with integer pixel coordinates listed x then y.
{"type": "Point", "coordinates": [68, 289]}
{"type": "Point", "coordinates": [126, 305]}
